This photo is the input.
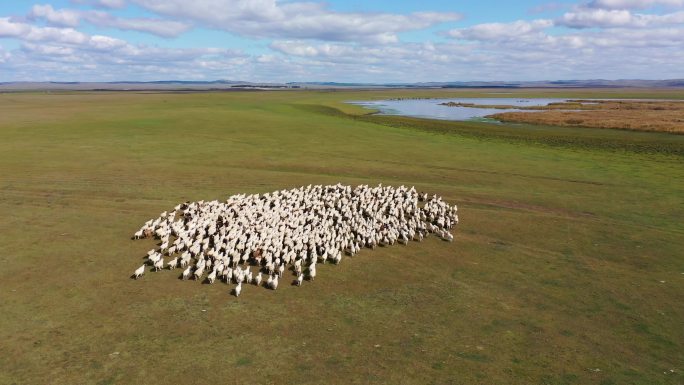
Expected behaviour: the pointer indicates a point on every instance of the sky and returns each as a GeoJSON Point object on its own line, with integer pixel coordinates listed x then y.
{"type": "Point", "coordinates": [371, 41]}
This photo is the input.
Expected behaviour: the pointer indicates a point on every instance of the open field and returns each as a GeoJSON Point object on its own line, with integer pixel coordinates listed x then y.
{"type": "Point", "coordinates": [567, 266]}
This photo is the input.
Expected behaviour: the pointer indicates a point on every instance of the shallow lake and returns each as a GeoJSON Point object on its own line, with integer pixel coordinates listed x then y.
{"type": "Point", "coordinates": [431, 108]}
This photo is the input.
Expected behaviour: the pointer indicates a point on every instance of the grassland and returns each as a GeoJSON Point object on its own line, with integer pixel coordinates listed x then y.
{"type": "Point", "coordinates": [567, 267]}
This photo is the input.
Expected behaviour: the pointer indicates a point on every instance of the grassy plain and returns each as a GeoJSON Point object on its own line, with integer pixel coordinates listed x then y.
{"type": "Point", "coordinates": [567, 267]}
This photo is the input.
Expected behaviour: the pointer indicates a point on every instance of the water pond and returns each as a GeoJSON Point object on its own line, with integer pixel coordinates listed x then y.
{"type": "Point", "coordinates": [432, 108]}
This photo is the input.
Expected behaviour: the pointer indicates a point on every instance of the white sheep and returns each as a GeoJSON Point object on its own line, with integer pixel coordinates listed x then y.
{"type": "Point", "coordinates": [199, 272]}
{"type": "Point", "coordinates": [187, 272]}
{"type": "Point", "coordinates": [297, 226]}
{"type": "Point", "coordinates": [212, 276]}
{"type": "Point", "coordinates": [139, 272]}
{"type": "Point", "coordinates": [312, 272]}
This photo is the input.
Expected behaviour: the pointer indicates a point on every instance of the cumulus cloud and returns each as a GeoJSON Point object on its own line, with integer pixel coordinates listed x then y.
{"type": "Point", "coordinates": [298, 20]}
{"type": "Point", "coordinates": [634, 4]}
{"type": "Point", "coordinates": [101, 58]}
{"type": "Point", "coordinates": [310, 41]}
{"type": "Point", "coordinates": [611, 18]}
{"type": "Point", "coordinates": [499, 31]}
{"type": "Point", "coordinates": [110, 4]}
{"type": "Point", "coordinates": [72, 18]}
{"type": "Point", "coordinates": [28, 32]}
{"type": "Point", "coordinates": [159, 27]}
{"type": "Point", "coordinates": [571, 56]}
{"type": "Point", "coordinates": [62, 17]}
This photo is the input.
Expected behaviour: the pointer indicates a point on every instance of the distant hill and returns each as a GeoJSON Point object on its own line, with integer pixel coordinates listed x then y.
{"type": "Point", "coordinates": [597, 83]}
{"type": "Point", "coordinates": [161, 85]}
{"type": "Point", "coordinates": [224, 85]}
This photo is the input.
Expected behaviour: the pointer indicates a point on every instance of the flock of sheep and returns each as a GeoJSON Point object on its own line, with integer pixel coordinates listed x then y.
{"type": "Point", "coordinates": [248, 237]}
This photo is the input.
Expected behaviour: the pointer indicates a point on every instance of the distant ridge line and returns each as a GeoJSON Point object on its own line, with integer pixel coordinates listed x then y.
{"type": "Point", "coordinates": [219, 85]}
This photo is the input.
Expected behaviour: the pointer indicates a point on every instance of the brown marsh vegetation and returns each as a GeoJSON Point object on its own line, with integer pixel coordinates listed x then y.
{"type": "Point", "coordinates": [638, 115]}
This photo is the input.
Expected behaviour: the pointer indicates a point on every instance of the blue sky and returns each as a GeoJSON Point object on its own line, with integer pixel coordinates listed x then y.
{"type": "Point", "coordinates": [346, 41]}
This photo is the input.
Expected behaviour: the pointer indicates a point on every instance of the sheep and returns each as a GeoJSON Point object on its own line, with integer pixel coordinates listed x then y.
{"type": "Point", "coordinates": [187, 272]}
{"type": "Point", "coordinates": [299, 227]}
{"type": "Point", "coordinates": [238, 289]}
{"type": "Point", "coordinates": [154, 258]}
{"type": "Point", "coordinates": [199, 272]}
{"type": "Point", "coordinates": [159, 264]}
{"type": "Point", "coordinates": [139, 272]}
{"type": "Point", "coordinates": [211, 277]}
{"type": "Point", "coordinates": [312, 272]}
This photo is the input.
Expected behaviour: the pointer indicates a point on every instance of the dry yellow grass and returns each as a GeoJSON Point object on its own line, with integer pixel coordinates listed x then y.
{"type": "Point", "coordinates": [661, 116]}
{"type": "Point", "coordinates": [625, 115]}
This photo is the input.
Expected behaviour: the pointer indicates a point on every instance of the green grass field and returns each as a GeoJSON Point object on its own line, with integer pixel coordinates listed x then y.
{"type": "Point", "coordinates": [567, 267]}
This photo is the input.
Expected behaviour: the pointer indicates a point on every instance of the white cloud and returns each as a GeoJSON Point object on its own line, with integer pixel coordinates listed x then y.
{"type": "Point", "coordinates": [603, 18]}
{"type": "Point", "coordinates": [298, 20]}
{"type": "Point", "coordinates": [106, 43]}
{"type": "Point", "coordinates": [159, 27]}
{"type": "Point", "coordinates": [8, 28]}
{"type": "Point", "coordinates": [48, 49]}
{"type": "Point", "coordinates": [588, 18]}
{"type": "Point", "coordinates": [103, 58]}
{"type": "Point", "coordinates": [634, 4]}
{"type": "Point", "coordinates": [62, 17]}
{"type": "Point", "coordinates": [110, 4]}
{"type": "Point", "coordinates": [64, 36]}
{"type": "Point", "coordinates": [607, 38]}
{"type": "Point", "coordinates": [28, 32]}
{"type": "Point", "coordinates": [501, 31]}
{"type": "Point", "coordinates": [72, 18]}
